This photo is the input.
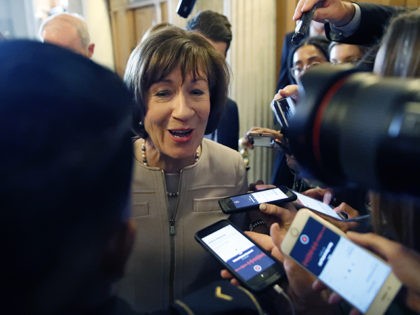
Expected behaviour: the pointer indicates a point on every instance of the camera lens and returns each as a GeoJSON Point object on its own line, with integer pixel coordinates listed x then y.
{"type": "Point", "coordinates": [358, 128]}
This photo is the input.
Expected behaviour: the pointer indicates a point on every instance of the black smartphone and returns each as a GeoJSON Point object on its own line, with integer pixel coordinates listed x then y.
{"type": "Point", "coordinates": [246, 261]}
{"type": "Point", "coordinates": [283, 109]}
{"type": "Point", "coordinates": [251, 200]}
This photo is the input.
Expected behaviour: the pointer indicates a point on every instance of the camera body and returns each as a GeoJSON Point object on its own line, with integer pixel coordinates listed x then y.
{"type": "Point", "coordinates": [358, 128]}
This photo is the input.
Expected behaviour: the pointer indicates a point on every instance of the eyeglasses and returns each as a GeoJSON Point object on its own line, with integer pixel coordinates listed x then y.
{"type": "Point", "coordinates": [350, 61]}
{"type": "Point", "coordinates": [298, 71]}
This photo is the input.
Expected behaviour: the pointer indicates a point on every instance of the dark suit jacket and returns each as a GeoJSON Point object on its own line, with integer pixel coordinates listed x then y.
{"type": "Point", "coordinates": [285, 63]}
{"type": "Point", "coordinates": [228, 128]}
{"type": "Point", "coordinates": [374, 19]}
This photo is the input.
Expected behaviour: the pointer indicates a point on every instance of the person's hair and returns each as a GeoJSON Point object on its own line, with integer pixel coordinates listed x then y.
{"type": "Point", "coordinates": [154, 29]}
{"type": "Point", "coordinates": [401, 45]}
{"type": "Point", "coordinates": [212, 25]}
{"type": "Point", "coordinates": [65, 123]}
{"type": "Point", "coordinates": [73, 19]}
{"type": "Point", "coordinates": [363, 49]}
{"type": "Point", "coordinates": [319, 42]}
{"type": "Point", "coordinates": [397, 216]}
{"type": "Point", "coordinates": [160, 54]}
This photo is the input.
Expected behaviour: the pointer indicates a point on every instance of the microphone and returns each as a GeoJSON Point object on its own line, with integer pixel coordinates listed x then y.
{"type": "Point", "coordinates": [303, 25]}
{"type": "Point", "coordinates": [185, 7]}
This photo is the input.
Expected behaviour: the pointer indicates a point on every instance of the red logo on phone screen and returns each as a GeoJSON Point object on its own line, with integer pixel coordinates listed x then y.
{"type": "Point", "coordinates": [304, 239]}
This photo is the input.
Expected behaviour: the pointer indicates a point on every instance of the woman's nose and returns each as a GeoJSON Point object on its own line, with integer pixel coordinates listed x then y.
{"type": "Point", "coordinates": [182, 109]}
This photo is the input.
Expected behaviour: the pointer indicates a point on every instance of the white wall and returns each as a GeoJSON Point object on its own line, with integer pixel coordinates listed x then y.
{"type": "Point", "coordinates": [16, 19]}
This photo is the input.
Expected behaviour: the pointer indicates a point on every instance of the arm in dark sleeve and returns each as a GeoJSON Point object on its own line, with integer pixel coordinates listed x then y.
{"type": "Point", "coordinates": [373, 23]}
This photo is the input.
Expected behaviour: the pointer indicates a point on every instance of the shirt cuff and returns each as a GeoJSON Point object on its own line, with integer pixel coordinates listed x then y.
{"type": "Point", "coordinates": [350, 27]}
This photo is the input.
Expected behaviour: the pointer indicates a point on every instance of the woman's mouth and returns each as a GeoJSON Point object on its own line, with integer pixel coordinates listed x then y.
{"type": "Point", "coordinates": [181, 134]}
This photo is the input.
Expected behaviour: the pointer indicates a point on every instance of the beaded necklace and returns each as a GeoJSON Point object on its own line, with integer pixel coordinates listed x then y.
{"type": "Point", "coordinates": [144, 157]}
{"type": "Point", "coordinates": [167, 175]}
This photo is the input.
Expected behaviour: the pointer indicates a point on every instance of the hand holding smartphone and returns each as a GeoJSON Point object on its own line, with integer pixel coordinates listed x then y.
{"type": "Point", "coordinates": [246, 261]}
{"type": "Point", "coordinates": [322, 208]}
{"type": "Point", "coordinates": [252, 200]}
{"type": "Point", "coordinates": [359, 276]}
{"type": "Point", "coordinates": [261, 139]}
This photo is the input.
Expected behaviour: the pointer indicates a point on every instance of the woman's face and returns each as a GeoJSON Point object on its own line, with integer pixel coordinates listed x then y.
{"type": "Point", "coordinates": [177, 114]}
{"type": "Point", "coordinates": [345, 53]}
{"type": "Point", "coordinates": [304, 58]}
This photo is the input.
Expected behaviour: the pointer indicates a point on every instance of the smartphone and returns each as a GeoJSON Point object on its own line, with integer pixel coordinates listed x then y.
{"type": "Point", "coordinates": [359, 276]}
{"type": "Point", "coordinates": [283, 109]}
{"type": "Point", "coordinates": [318, 206]}
{"type": "Point", "coordinates": [251, 201]}
{"type": "Point", "coordinates": [261, 139]}
{"type": "Point", "coordinates": [247, 261]}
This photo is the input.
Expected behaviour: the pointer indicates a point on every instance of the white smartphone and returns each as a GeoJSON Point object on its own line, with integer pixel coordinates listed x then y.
{"type": "Point", "coordinates": [318, 206]}
{"type": "Point", "coordinates": [359, 276]}
{"type": "Point", "coordinates": [249, 263]}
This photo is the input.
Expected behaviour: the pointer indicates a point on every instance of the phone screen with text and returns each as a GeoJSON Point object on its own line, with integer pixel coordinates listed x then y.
{"type": "Point", "coordinates": [256, 198]}
{"type": "Point", "coordinates": [238, 252]}
{"type": "Point", "coordinates": [348, 269]}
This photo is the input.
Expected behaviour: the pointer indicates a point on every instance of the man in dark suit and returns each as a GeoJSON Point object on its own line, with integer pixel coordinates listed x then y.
{"type": "Point", "coordinates": [216, 28]}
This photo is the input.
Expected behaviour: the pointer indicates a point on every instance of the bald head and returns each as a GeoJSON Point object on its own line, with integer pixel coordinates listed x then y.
{"type": "Point", "coordinates": [69, 31]}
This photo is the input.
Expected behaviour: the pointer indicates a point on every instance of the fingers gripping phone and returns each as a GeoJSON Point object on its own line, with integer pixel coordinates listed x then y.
{"type": "Point", "coordinates": [252, 200]}
{"type": "Point", "coordinates": [359, 276]}
{"type": "Point", "coordinates": [323, 208]}
{"type": "Point", "coordinates": [246, 261]}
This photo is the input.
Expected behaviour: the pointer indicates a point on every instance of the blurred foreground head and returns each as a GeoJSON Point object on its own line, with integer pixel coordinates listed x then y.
{"type": "Point", "coordinates": [65, 168]}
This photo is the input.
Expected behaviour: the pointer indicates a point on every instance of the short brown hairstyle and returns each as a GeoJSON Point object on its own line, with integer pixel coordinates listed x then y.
{"type": "Point", "coordinates": [161, 53]}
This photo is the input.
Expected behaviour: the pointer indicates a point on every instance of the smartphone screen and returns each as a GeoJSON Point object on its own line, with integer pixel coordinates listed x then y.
{"type": "Point", "coordinates": [249, 263]}
{"type": "Point", "coordinates": [350, 270]}
{"type": "Point", "coordinates": [316, 205]}
{"type": "Point", "coordinates": [262, 141]}
{"type": "Point", "coordinates": [252, 200]}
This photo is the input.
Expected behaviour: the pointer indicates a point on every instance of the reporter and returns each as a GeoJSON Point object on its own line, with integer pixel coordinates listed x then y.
{"type": "Point", "coordinates": [400, 252]}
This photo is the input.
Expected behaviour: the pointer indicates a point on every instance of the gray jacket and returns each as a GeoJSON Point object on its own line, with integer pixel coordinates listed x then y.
{"type": "Point", "coordinates": [162, 265]}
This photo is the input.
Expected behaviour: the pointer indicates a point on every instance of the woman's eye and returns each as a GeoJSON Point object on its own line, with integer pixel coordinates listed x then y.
{"type": "Point", "coordinates": [162, 93]}
{"type": "Point", "coordinates": [197, 92]}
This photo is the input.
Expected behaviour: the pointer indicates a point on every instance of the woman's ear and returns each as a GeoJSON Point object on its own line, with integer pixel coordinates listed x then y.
{"type": "Point", "coordinates": [118, 250]}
